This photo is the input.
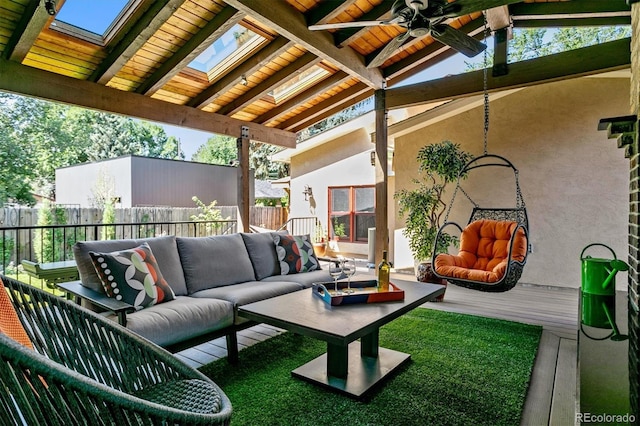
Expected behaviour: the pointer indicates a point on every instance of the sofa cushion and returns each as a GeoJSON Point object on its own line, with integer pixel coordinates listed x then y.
{"type": "Point", "coordinates": [262, 253]}
{"type": "Point", "coordinates": [295, 254]}
{"type": "Point", "coordinates": [214, 261]}
{"type": "Point", "coordinates": [132, 276]}
{"type": "Point", "coordinates": [249, 292]}
{"type": "Point", "coordinates": [180, 319]}
{"type": "Point", "coordinates": [164, 250]}
{"type": "Point", "coordinates": [306, 280]}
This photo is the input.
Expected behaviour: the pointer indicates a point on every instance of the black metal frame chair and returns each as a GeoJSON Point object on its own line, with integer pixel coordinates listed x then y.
{"type": "Point", "coordinates": [85, 369]}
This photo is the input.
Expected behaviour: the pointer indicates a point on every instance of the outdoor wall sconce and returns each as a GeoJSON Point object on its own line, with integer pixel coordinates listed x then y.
{"type": "Point", "coordinates": [373, 158]}
{"type": "Point", "coordinates": [243, 80]}
{"type": "Point", "coordinates": [50, 6]}
{"type": "Point", "coordinates": [308, 192]}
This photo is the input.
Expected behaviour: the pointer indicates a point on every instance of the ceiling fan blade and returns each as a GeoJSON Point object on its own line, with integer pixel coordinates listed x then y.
{"type": "Point", "coordinates": [458, 40]}
{"type": "Point", "coordinates": [388, 50]}
{"type": "Point", "coordinates": [355, 24]}
{"type": "Point", "coordinates": [465, 7]}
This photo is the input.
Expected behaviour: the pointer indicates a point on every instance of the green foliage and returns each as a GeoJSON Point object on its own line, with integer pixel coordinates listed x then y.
{"type": "Point", "coordinates": [338, 228]}
{"type": "Point", "coordinates": [108, 217]}
{"type": "Point", "coordinates": [49, 245]}
{"type": "Point", "coordinates": [423, 206]}
{"type": "Point", "coordinates": [209, 214]}
{"type": "Point", "coordinates": [223, 150]}
{"type": "Point", "coordinates": [473, 371]}
{"type": "Point", "coordinates": [8, 246]}
{"type": "Point", "coordinates": [219, 149]}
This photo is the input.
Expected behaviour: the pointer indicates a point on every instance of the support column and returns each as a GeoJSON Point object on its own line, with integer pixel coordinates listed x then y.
{"type": "Point", "coordinates": [382, 202]}
{"type": "Point", "coordinates": [500, 53]}
{"type": "Point", "coordinates": [243, 180]}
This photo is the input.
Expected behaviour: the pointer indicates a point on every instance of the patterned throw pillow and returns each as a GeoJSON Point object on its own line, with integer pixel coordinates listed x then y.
{"type": "Point", "coordinates": [132, 276]}
{"type": "Point", "coordinates": [295, 254]}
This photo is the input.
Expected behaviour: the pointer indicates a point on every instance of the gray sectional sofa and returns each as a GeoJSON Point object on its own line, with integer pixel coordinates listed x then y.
{"type": "Point", "coordinates": [210, 277]}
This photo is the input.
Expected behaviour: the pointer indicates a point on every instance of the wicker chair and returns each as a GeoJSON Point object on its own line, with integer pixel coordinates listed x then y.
{"type": "Point", "coordinates": [84, 369]}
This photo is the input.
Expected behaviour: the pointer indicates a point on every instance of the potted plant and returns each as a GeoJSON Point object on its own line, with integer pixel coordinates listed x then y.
{"type": "Point", "coordinates": [319, 240]}
{"type": "Point", "coordinates": [422, 207]}
{"type": "Point", "coordinates": [338, 232]}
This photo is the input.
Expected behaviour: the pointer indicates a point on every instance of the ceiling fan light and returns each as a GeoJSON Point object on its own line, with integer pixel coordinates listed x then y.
{"type": "Point", "coordinates": [417, 4]}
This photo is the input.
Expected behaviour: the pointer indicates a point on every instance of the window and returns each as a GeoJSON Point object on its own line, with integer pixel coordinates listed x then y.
{"type": "Point", "coordinates": [228, 50]}
{"type": "Point", "coordinates": [93, 21]}
{"type": "Point", "coordinates": [352, 212]}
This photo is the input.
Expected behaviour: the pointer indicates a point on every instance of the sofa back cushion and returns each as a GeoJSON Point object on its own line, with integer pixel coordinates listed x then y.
{"type": "Point", "coordinates": [164, 249]}
{"type": "Point", "coordinates": [262, 253]}
{"type": "Point", "coordinates": [214, 261]}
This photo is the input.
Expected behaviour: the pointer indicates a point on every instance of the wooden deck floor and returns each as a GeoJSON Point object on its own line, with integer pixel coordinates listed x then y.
{"type": "Point", "coordinates": [551, 399]}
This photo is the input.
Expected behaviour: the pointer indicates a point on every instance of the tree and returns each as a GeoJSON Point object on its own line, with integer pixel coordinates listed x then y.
{"type": "Point", "coordinates": [219, 149]}
{"type": "Point", "coordinates": [223, 150]}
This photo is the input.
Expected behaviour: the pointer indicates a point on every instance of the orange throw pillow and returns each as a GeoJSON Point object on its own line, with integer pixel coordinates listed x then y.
{"type": "Point", "coordinates": [9, 322]}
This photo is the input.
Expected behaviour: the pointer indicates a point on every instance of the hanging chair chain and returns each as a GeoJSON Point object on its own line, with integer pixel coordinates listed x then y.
{"type": "Point", "coordinates": [485, 86]}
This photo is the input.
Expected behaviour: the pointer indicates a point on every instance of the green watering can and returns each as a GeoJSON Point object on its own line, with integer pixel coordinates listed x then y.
{"type": "Point", "coordinates": [598, 292]}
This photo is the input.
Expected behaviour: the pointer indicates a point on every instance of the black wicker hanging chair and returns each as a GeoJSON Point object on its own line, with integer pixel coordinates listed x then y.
{"type": "Point", "coordinates": [493, 245]}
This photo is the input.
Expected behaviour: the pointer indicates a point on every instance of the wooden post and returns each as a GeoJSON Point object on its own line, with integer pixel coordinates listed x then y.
{"type": "Point", "coordinates": [500, 53]}
{"type": "Point", "coordinates": [382, 223]}
{"type": "Point", "coordinates": [243, 180]}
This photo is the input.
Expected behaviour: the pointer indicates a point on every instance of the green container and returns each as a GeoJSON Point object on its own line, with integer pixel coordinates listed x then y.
{"type": "Point", "coordinates": [598, 289]}
{"type": "Point", "coordinates": [596, 310]}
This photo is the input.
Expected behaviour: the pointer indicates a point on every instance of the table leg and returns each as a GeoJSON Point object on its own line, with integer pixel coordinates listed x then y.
{"type": "Point", "coordinates": [337, 360]}
{"type": "Point", "coordinates": [370, 344]}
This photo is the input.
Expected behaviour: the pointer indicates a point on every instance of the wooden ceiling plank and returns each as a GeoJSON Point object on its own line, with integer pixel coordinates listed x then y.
{"type": "Point", "coordinates": [247, 67]}
{"type": "Point", "coordinates": [579, 62]}
{"type": "Point", "coordinates": [312, 92]}
{"type": "Point", "coordinates": [325, 11]}
{"type": "Point", "coordinates": [310, 115]}
{"type": "Point", "coordinates": [290, 23]}
{"type": "Point", "coordinates": [303, 63]}
{"type": "Point", "coordinates": [214, 29]}
{"type": "Point", "coordinates": [59, 88]}
{"type": "Point", "coordinates": [33, 21]}
{"type": "Point", "coordinates": [346, 36]}
{"type": "Point", "coordinates": [141, 31]}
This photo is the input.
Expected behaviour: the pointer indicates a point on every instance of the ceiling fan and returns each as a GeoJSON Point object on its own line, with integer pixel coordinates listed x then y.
{"type": "Point", "coordinates": [422, 17]}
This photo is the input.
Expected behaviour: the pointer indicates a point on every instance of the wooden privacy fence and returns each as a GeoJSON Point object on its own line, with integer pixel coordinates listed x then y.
{"type": "Point", "coordinates": [264, 217]}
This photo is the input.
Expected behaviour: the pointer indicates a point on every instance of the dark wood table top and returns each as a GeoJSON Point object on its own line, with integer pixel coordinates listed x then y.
{"type": "Point", "coordinates": [307, 314]}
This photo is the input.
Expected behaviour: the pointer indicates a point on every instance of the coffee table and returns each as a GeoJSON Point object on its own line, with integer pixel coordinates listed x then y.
{"type": "Point", "coordinates": [349, 366]}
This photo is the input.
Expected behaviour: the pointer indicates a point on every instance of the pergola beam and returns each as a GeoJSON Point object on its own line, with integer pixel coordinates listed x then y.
{"type": "Point", "coordinates": [283, 18]}
{"type": "Point", "coordinates": [580, 62]}
{"type": "Point", "coordinates": [28, 81]}
{"type": "Point", "coordinates": [33, 21]}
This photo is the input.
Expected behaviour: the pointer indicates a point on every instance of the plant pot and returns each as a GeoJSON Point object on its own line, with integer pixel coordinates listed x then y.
{"type": "Point", "coordinates": [424, 274]}
{"type": "Point", "coordinates": [320, 249]}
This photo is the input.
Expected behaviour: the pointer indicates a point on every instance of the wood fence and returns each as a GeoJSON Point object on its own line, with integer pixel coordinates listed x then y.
{"type": "Point", "coordinates": [263, 217]}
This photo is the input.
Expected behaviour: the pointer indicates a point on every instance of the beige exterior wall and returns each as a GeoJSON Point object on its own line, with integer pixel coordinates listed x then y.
{"type": "Point", "coordinates": [342, 161]}
{"type": "Point", "coordinates": [574, 180]}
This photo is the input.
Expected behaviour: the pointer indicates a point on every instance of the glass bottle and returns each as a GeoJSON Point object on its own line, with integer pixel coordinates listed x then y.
{"type": "Point", "coordinates": [384, 268]}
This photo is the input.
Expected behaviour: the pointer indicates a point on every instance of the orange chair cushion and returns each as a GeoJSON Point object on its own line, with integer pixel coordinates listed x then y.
{"type": "Point", "coordinates": [484, 247]}
{"type": "Point", "coordinates": [9, 322]}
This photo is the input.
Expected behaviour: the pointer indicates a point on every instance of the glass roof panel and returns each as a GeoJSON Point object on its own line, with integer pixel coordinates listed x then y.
{"type": "Point", "coordinates": [93, 16]}
{"type": "Point", "coordinates": [231, 47]}
{"type": "Point", "coordinates": [298, 83]}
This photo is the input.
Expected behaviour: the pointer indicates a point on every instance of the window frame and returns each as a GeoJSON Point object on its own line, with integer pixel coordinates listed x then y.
{"type": "Point", "coordinates": [352, 213]}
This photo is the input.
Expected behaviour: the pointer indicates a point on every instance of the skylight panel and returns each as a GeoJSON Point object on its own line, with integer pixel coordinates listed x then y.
{"type": "Point", "coordinates": [226, 51]}
{"type": "Point", "coordinates": [298, 83]}
{"type": "Point", "coordinates": [95, 17]}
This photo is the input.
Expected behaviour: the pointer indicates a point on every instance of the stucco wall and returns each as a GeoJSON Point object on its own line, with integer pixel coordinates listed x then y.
{"type": "Point", "coordinates": [342, 161]}
{"type": "Point", "coordinates": [574, 180]}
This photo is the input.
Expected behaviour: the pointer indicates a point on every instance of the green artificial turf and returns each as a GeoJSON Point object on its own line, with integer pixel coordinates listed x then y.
{"type": "Point", "coordinates": [464, 370]}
